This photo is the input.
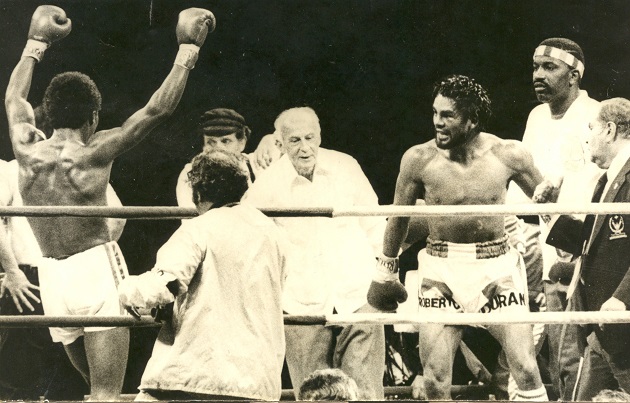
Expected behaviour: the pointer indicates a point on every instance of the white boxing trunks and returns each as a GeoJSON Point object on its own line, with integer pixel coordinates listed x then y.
{"type": "Point", "coordinates": [82, 284]}
{"type": "Point", "coordinates": [478, 277]}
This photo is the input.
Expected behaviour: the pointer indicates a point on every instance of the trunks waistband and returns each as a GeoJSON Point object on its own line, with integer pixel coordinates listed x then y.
{"type": "Point", "coordinates": [64, 257]}
{"type": "Point", "coordinates": [478, 250]}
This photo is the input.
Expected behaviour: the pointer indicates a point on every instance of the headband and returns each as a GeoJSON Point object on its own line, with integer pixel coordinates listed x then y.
{"type": "Point", "coordinates": [561, 55]}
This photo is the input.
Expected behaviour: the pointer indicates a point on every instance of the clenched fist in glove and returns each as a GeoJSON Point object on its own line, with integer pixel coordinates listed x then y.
{"type": "Point", "coordinates": [386, 290]}
{"type": "Point", "coordinates": [48, 24]}
{"type": "Point", "coordinates": [148, 290]}
{"type": "Point", "coordinates": [192, 27]}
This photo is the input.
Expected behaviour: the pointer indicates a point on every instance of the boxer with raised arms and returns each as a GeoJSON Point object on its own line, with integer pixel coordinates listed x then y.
{"type": "Point", "coordinates": [82, 265]}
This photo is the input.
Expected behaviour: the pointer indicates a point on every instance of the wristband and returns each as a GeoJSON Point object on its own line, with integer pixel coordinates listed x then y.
{"type": "Point", "coordinates": [386, 269]}
{"type": "Point", "coordinates": [35, 49]}
{"type": "Point", "coordinates": [187, 56]}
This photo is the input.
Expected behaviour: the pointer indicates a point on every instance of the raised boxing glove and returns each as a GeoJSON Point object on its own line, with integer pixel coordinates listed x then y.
{"type": "Point", "coordinates": [386, 290]}
{"type": "Point", "coordinates": [48, 24]}
{"type": "Point", "coordinates": [148, 290]}
{"type": "Point", "coordinates": [193, 25]}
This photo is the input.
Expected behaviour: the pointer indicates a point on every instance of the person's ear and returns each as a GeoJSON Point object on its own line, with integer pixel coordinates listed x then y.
{"type": "Point", "coordinates": [611, 132]}
{"type": "Point", "coordinates": [574, 77]}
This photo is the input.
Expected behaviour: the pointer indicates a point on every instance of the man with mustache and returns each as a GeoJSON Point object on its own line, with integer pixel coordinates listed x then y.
{"type": "Point", "coordinates": [468, 264]}
{"type": "Point", "coordinates": [556, 135]}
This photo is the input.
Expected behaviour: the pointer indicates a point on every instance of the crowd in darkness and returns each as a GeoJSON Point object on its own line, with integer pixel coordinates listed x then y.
{"type": "Point", "coordinates": [366, 68]}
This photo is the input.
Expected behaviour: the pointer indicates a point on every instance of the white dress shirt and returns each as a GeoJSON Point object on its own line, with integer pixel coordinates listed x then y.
{"type": "Point", "coordinates": [332, 259]}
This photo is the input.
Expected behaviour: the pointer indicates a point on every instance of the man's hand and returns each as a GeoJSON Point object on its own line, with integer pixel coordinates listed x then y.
{"type": "Point", "coordinates": [18, 286]}
{"type": "Point", "coordinates": [148, 290]}
{"type": "Point", "coordinates": [612, 304]}
{"type": "Point", "coordinates": [546, 192]}
{"type": "Point", "coordinates": [269, 149]}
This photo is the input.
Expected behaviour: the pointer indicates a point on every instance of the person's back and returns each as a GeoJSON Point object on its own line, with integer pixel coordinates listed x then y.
{"type": "Point", "coordinates": [232, 305]}
{"type": "Point", "coordinates": [61, 171]}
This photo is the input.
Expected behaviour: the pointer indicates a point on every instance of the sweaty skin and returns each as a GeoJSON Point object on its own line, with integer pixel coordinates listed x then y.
{"type": "Point", "coordinates": [61, 169]}
{"type": "Point", "coordinates": [478, 175]}
{"type": "Point", "coordinates": [73, 166]}
{"type": "Point", "coordinates": [463, 166]}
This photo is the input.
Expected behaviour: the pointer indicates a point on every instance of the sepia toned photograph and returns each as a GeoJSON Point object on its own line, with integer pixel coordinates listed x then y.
{"type": "Point", "coordinates": [283, 200]}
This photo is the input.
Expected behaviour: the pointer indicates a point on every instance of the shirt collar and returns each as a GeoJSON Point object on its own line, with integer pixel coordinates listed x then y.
{"type": "Point", "coordinates": [321, 166]}
{"type": "Point", "coordinates": [618, 162]}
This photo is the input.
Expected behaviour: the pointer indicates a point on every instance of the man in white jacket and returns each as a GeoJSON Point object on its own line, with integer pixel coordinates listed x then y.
{"type": "Point", "coordinates": [224, 270]}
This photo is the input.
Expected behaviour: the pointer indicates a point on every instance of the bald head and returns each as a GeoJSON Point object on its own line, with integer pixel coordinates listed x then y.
{"type": "Point", "coordinates": [291, 118]}
{"type": "Point", "coordinates": [301, 137]}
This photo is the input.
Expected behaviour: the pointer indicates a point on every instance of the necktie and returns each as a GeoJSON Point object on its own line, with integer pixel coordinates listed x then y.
{"type": "Point", "coordinates": [589, 221]}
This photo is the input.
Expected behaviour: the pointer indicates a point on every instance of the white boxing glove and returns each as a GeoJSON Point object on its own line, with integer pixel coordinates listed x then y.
{"type": "Point", "coordinates": [148, 290]}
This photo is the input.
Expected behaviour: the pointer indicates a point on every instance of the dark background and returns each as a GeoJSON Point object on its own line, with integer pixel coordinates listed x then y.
{"type": "Point", "coordinates": [365, 66]}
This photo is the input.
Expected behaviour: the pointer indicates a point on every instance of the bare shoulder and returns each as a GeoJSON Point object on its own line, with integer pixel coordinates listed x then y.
{"type": "Point", "coordinates": [512, 153]}
{"type": "Point", "coordinates": [26, 133]}
{"type": "Point", "coordinates": [417, 157]}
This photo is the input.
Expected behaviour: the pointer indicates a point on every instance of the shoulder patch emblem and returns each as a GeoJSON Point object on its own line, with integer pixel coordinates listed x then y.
{"type": "Point", "coordinates": [617, 226]}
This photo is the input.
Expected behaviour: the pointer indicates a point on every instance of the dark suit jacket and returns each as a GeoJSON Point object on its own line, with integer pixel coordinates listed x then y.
{"type": "Point", "coordinates": [605, 268]}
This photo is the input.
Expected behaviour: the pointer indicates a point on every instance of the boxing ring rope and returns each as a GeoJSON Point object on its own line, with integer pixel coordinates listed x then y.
{"type": "Point", "coordinates": [169, 212]}
{"type": "Point", "coordinates": [453, 319]}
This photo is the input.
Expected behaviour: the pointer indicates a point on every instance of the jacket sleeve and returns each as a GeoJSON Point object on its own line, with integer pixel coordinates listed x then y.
{"type": "Point", "coordinates": [622, 292]}
{"type": "Point", "coordinates": [566, 234]}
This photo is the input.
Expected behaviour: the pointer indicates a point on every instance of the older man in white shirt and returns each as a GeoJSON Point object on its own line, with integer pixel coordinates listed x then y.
{"type": "Point", "coordinates": [332, 258]}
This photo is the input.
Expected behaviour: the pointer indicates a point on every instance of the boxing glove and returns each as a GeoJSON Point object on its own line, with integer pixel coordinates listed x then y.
{"type": "Point", "coordinates": [386, 290]}
{"type": "Point", "coordinates": [49, 24]}
{"type": "Point", "coordinates": [148, 290]}
{"type": "Point", "coordinates": [562, 272]}
{"type": "Point", "coordinates": [193, 25]}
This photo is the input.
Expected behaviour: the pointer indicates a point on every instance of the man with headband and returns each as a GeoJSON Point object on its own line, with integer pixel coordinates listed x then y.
{"type": "Point", "coordinates": [556, 135]}
{"type": "Point", "coordinates": [222, 129]}
{"type": "Point", "coordinates": [82, 264]}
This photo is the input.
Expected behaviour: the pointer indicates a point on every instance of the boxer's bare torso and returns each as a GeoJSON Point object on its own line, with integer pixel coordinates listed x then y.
{"type": "Point", "coordinates": [63, 171]}
{"type": "Point", "coordinates": [478, 174]}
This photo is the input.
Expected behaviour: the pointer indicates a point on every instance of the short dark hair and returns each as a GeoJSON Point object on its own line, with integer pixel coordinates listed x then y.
{"type": "Point", "coordinates": [470, 97]}
{"type": "Point", "coordinates": [70, 100]}
{"type": "Point", "coordinates": [328, 384]}
{"type": "Point", "coordinates": [221, 122]}
{"type": "Point", "coordinates": [218, 177]}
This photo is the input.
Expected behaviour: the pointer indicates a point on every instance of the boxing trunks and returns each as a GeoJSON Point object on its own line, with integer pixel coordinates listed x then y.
{"type": "Point", "coordinates": [82, 284]}
{"type": "Point", "coordinates": [479, 277]}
